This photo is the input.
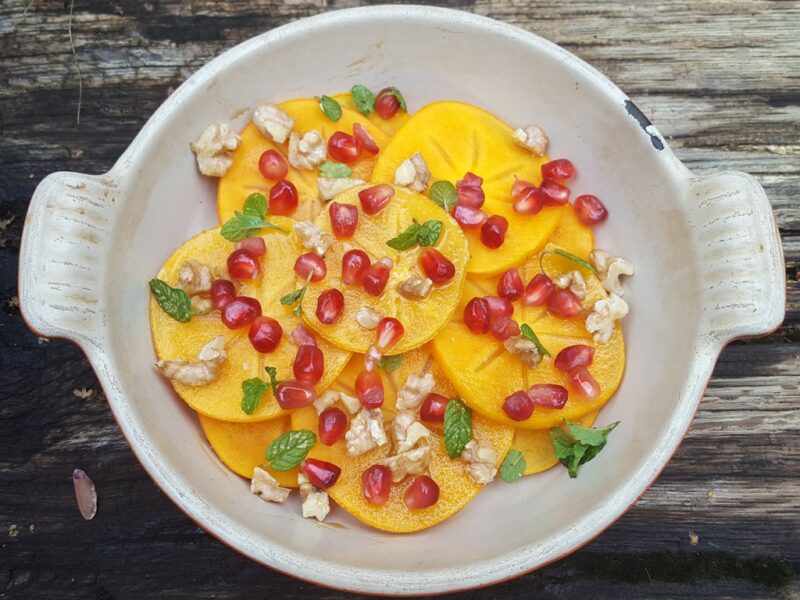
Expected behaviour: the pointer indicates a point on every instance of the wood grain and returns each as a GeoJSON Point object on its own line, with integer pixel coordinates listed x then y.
{"type": "Point", "coordinates": [721, 81]}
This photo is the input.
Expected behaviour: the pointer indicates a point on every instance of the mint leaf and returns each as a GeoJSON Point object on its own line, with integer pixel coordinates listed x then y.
{"type": "Point", "coordinates": [428, 234]}
{"type": "Point", "coordinates": [578, 445]}
{"type": "Point", "coordinates": [252, 390]}
{"type": "Point", "coordinates": [330, 107]}
{"type": "Point", "coordinates": [457, 427]}
{"type": "Point", "coordinates": [297, 296]}
{"type": "Point", "coordinates": [569, 256]}
{"type": "Point", "coordinates": [396, 93]}
{"type": "Point", "coordinates": [513, 466]}
{"type": "Point", "coordinates": [363, 98]}
{"type": "Point", "coordinates": [391, 363]}
{"type": "Point", "coordinates": [273, 378]}
{"type": "Point", "coordinates": [256, 205]}
{"type": "Point", "coordinates": [334, 169]}
{"type": "Point", "coordinates": [526, 330]}
{"type": "Point", "coordinates": [173, 301]}
{"type": "Point", "coordinates": [242, 226]}
{"type": "Point", "coordinates": [407, 239]}
{"type": "Point", "coordinates": [444, 194]}
{"type": "Point", "coordinates": [289, 450]}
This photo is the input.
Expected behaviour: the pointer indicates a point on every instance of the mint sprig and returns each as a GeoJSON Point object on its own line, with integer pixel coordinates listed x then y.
{"type": "Point", "coordinates": [297, 297]}
{"type": "Point", "coordinates": [576, 445]}
{"type": "Point", "coordinates": [330, 107]}
{"type": "Point", "coordinates": [391, 363]}
{"type": "Point", "coordinates": [173, 301]}
{"type": "Point", "coordinates": [290, 449]}
{"type": "Point", "coordinates": [253, 389]}
{"type": "Point", "coordinates": [402, 101]}
{"type": "Point", "coordinates": [444, 194]}
{"type": "Point", "coordinates": [253, 219]}
{"type": "Point", "coordinates": [363, 98]}
{"type": "Point", "coordinates": [457, 427]}
{"type": "Point", "coordinates": [569, 256]}
{"type": "Point", "coordinates": [526, 330]}
{"type": "Point", "coordinates": [334, 169]}
{"type": "Point", "coordinates": [513, 466]}
{"type": "Point", "coordinates": [426, 234]}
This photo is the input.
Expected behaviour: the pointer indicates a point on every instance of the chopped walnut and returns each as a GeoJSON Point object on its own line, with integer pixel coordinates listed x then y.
{"type": "Point", "coordinates": [413, 173]}
{"type": "Point", "coordinates": [411, 462]}
{"type": "Point", "coordinates": [367, 318]}
{"type": "Point", "coordinates": [214, 149]}
{"type": "Point", "coordinates": [330, 187]}
{"type": "Point", "coordinates": [201, 305]}
{"type": "Point", "coordinates": [604, 313]}
{"type": "Point", "coordinates": [533, 138]}
{"type": "Point", "coordinates": [206, 370]}
{"type": "Point", "coordinates": [313, 237]}
{"type": "Point", "coordinates": [525, 349]}
{"type": "Point", "coordinates": [573, 281]}
{"type": "Point", "coordinates": [265, 487]}
{"type": "Point", "coordinates": [331, 397]}
{"type": "Point", "coordinates": [481, 460]}
{"type": "Point", "coordinates": [273, 122]}
{"type": "Point", "coordinates": [366, 432]}
{"type": "Point", "coordinates": [416, 286]}
{"type": "Point", "coordinates": [414, 391]}
{"type": "Point", "coordinates": [307, 152]}
{"type": "Point", "coordinates": [195, 278]}
{"type": "Point", "coordinates": [610, 269]}
{"type": "Point", "coordinates": [407, 431]}
{"type": "Point", "coordinates": [315, 501]}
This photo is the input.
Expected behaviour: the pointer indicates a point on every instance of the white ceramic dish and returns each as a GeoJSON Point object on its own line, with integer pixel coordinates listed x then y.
{"type": "Point", "coordinates": [706, 249]}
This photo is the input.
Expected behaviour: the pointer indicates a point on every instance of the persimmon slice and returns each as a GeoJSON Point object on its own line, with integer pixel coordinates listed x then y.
{"type": "Point", "coordinates": [387, 126]}
{"type": "Point", "coordinates": [537, 446]}
{"type": "Point", "coordinates": [455, 138]}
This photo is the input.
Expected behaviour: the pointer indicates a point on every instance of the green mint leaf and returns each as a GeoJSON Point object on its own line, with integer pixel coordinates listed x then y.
{"type": "Point", "coordinates": [330, 107]}
{"type": "Point", "coordinates": [364, 99]}
{"type": "Point", "coordinates": [457, 427]}
{"type": "Point", "coordinates": [256, 205]}
{"type": "Point", "coordinates": [297, 296]}
{"type": "Point", "coordinates": [334, 169]}
{"type": "Point", "coordinates": [291, 297]}
{"type": "Point", "coordinates": [173, 301]}
{"type": "Point", "coordinates": [273, 378]}
{"type": "Point", "coordinates": [444, 194]}
{"type": "Point", "coordinates": [252, 390]}
{"type": "Point", "coordinates": [289, 450]}
{"type": "Point", "coordinates": [243, 226]}
{"type": "Point", "coordinates": [576, 259]}
{"type": "Point", "coordinates": [578, 445]}
{"type": "Point", "coordinates": [513, 466]}
{"type": "Point", "coordinates": [391, 363]}
{"type": "Point", "coordinates": [591, 436]}
{"type": "Point", "coordinates": [526, 330]}
{"type": "Point", "coordinates": [396, 93]}
{"type": "Point", "coordinates": [428, 234]}
{"type": "Point", "coordinates": [407, 239]}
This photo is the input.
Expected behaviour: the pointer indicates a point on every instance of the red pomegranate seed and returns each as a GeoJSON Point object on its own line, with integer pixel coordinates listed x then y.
{"type": "Point", "coordinates": [309, 363]}
{"type": "Point", "coordinates": [436, 266]}
{"type": "Point", "coordinates": [529, 202]}
{"type": "Point", "coordinates": [554, 193]}
{"type": "Point", "coordinates": [240, 311]}
{"type": "Point", "coordinates": [548, 394]}
{"type": "Point", "coordinates": [320, 473]}
{"type": "Point", "coordinates": [571, 357]}
{"type": "Point", "coordinates": [343, 147]}
{"type": "Point", "coordinates": [329, 306]}
{"type": "Point", "coordinates": [476, 315]}
{"type": "Point", "coordinates": [272, 165]}
{"type": "Point", "coordinates": [310, 262]}
{"type": "Point", "coordinates": [295, 394]}
{"type": "Point", "coordinates": [255, 246]}
{"type": "Point", "coordinates": [503, 328]}
{"type": "Point", "coordinates": [564, 303]}
{"type": "Point", "coordinates": [302, 336]}
{"type": "Point", "coordinates": [375, 278]}
{"type": "Point", "coordinates": [376, 484]}
{"type": "Point", "coordinates": [510, 285]}
{"type": "Point", "coordinates": [493, 231]}
{"type": "Point", "coordinates": [386, 104]}
{"type": "Point", "coordinates": [388, 333]}
{"type": "Point", "coordinates": [344, 219]}
{"type": "Point", "coordinates": [433, 407]}
{"type": "Point", "coordinates": [499, 307]}
{"type": "Point", "coordinates": [331, 425]}
{"type": "Point", "coordinates": [222, 292]}
{"type": "Point", "coordinates": [583, 384]}
{"type": "Point", "coordinates": [265, 334]}
{"type": "Point", "coordinates": [520, 188]}
{"type": "Point", "coordinates": [559, 169]}
{"type": "Point", "coordinates": [538, 290]}
{"type": "Point", "coordinates": [364, 138]}
{"type": "Point", "coordinates": [422, 493]}
{"type": "Point", "coordinates": [470, 179]}
{"type": "Point", "coordinates": [243, 265]}
{"type": "Point", "coordinates": [468, 217]}
{"type": "Point", "coordinates": [283, 198]}
{"type": "Point", "coordinates": [518, 406]}
{"type": "Point", "coordinates": [375, 198]}
{"type": "Point", "coordinates": [369, 389]}
{"type": "Point", "coordinates": [470, 192]}
{"type": "Point", "coordinates": [590, 210]}
{"type": "Point", "coordinates": [354, 264]}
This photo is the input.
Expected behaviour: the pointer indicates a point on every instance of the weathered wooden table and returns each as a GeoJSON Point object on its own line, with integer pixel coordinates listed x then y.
{"type": "Point", "coordinates": [720, 79]}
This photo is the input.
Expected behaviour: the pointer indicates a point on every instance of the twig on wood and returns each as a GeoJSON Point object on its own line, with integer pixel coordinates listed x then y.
{"type": "Point", "coordinates": [75, 59]}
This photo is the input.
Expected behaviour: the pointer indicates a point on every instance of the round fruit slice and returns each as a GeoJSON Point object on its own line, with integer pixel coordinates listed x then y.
{"type": "Point", "coordinates": [244, 177]}
{"type": "Point", "coordinates": [421, 318]}
{"type": "Point", "coordinates": [387, 126]}
{"type": "Point", "coordinates": [572, 235]}
{"type": "Point", "coordinates": [456, 138]}
{"type": "Point", "coordinates": [455, 485]}
{"type": "Point", "coordinates": [485, 373]}
{"type": "Point", "coordinates": [222, 398]}
{"type": "Point", "coordinates": [537, 446]}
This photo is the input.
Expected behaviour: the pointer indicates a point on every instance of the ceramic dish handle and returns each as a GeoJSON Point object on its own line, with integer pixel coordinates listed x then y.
{"type": "Point", "coordinates": [63, 255]}
{"type": "Point", "coordinates": [743, 276]}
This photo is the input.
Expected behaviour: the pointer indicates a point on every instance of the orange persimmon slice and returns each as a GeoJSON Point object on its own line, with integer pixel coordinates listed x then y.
{"type": "Point", "coordinates": [387, 126]}
{"type": "Point", "coordinates": [537, 446]}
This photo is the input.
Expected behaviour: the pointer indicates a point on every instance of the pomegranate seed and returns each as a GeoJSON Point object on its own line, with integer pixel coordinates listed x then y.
{"type": "Point", "coordinates": [372, 358]}
{"type": "Point", "coordinates": [331, 425]}
{"type": "Point", "coordinates": [375, 278]}
{"type": "Point", "coordinates": [265, 334]}
{"type": "Point", "coordinates": [538, 290]}
{"type": "Point", "coordinates": [476, 315]}
{"type": "Point", "coordinates": [302, 336]}
{"type": "Point", "coordinates": [222, 292]}
{"type": "Point", "coordinates": [386, 104]}
{"type": "Point", "coordinates": [369, 389]}
{"type": "Point", "coordinates": [469, 218]}
{"type": "Point", "coordinates": [272, 165]}
{"type": "Point", "coordinates": [354, 264]}
{"type": "Point", "coordinates": [469, 194]}
{"type": "Point", "coordinates": [344, 219]}
{"type": "Point", "coordinates": [571, 357]}
{"type": "Point", "coordinates": [310, 262]}
{"type": "Point", "coordinates": [329, 306]}
{"type": "Point", "coordinates": [554, 193]}
{"type": "Point", "coordinates": [530, 202]}
{"type": "Point", "coordinates": [582, 383]}
{"type": "Point", "coordinates": [518, 406]}
{"type": "Point", "coordinates": [343, 147]}
{"type": "Point", "coordinates": [240, 311]}
{"type": "Point", "coordinates": [510, 285]}
{"type": "Point", "coordinates": [520, 188]}
{"type": "Point", "coordinates": [364, 138]}
{"type": "Point", "coordinates": [590, 210]}
{"type": "Point", "coordinates": [422, 493]}
{"type": "Point", "coordinates": [436, 266]}
{"type": "Point", "coordinates": [470, 179]}
{"type": "Point", "coordinates": [283, 198]}
{"type": "Point", "coordinates": [243, 265]}
{"type": "Point", "coordinates": [499, 307]}
{"type": "Point", "coordinates": [548, 394]}
{"type": "Point", "coordinates": [375, 198]}
{"type": "Point", "coordinates": [320, 473]}
{"type": "Point", "coordinates": [376, 484]}
{"type": "Point", "coordinates": [309, 363]}
{"type": "Point", "coordinates": [559, 169]}
{"type": "Point", "coordinates": [564, 303]}
{"type": "Point", "coordinates": [503, 328]}
{"type": "Point", "coordinates": [493, 231]}
{"type": "Point", "coordinates": [433, 407]}
{"type": "Point", "coordinates": [389, 332]}
{"type": "Point", "coordinates": [255, 246]}
{"type": "Point", "coordinates": [295, 394]}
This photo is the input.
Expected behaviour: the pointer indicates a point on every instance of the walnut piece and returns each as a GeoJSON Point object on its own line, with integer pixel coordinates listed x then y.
{"type": "Point", "coordinates": [273, 122]}
{"type": "Point", "coordinates": [416, 286]}
{"type": "Point", "coordinates": [413, 173]}
{"type": "Point", "coordinates": [313, 237]}
{"type": "Point", "coordinates": [214, 149]}
{"type": "Point", "coordinates": [525, 349]}
{"type": "Point", "coordinates": [367, 318]}
{"type": "Point", "coordinates": [206, 370]}
{"type": "Point", "coordinates": [533, 138]}
{"type": "Point", "coordinates": [365, 432]}
{"type": "Point", "coordinates": [265, 487]}
{"type": "Point", "coordinates": [604, 313]}
{"type": "Point", "coordinates": [411, 462]}
{"type": "Point", "coordinates": [315, 502]}
{"type": "Point", "coordinates": [610, 269]}
{"type": "Point", "coordinates": [407, 431]}
{"type": "Point", "coordinates": [481, 460]}
{"type": "Point", "coordinates": [330, 187]}
{"type": "Point", "coordinates": [307, 152]}
{"type": "Point", "coordinates": [194, 277]}
{"type": "Point", "coordinates": [573, 281]}
{"type": "Point", "coordinates": [201, 305]}
{"type": "Point", "coordinates": [331, 397]}
{"type": "Point", "coordinates": [414, 391]}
